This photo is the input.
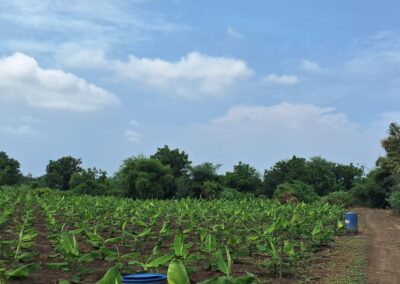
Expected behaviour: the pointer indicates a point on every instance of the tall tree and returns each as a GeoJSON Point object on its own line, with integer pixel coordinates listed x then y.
{"type": "Point", "coordinates": [9, 170]}
{"type": "Point", "coordinates": [177, 160]}
{"type": "Point", "coordinates": [59, 172]}
{"type": "Point", "coordinates": [143, 177]}
{"type": "Point", "coordinates": [391, 144]}
{"type": "Point", "coordinates": [286, 170]}
{"type": "Point", "coordinates": [243, 178]}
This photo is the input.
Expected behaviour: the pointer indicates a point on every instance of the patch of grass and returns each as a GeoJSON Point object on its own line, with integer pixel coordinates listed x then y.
{"type": "Point", "coordinates": [351, 265]}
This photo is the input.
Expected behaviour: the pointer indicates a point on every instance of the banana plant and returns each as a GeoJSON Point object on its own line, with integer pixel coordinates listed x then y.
{"type": "Point", "coordinates": [19, 271]}
{"type": "Point", "coordinates": [152, 261]}
{"type": "Point", "coordinates": [225, 266]}
{"type": "Point", "coordinates": [74, 258]}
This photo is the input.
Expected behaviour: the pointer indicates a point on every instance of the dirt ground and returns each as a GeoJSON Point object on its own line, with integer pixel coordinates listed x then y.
{"type": "Point", "coordinates": [382, 230]}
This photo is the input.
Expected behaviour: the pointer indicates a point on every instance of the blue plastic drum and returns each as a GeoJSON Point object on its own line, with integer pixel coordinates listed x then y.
{"type": "Point", "coordinates": [351, 222]}
{"type": "Point", "coordinates": [145, 278]}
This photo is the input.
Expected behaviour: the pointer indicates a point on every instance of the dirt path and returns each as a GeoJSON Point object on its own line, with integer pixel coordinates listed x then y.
{"type": "Point", "coordinates": [382, 229]}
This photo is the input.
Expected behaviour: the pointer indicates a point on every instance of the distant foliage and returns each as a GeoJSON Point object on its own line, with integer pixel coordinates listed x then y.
{"type": "Point", "coordinates": [142, 177]}
{"type": "Point", "coordinates": [59, 172]}
{"type": "Point", "coordinates": [244, 178]}
{"type": "Point", "coordinates": [394, 201]}
{"type": "Point", "coordinates": [295, 191]}
{"type": "Point", "coordinates": [341, 198]}
{"type": "Point", "coordinates": [9, 170]}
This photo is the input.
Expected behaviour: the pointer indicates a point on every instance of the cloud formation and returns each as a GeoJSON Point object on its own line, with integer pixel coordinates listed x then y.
{"type": "Point", "coordinates": [18, 131]}
{"type": "Point", "coordinates": [263, 135]}
{"type": "Point", "coordinates": [194, 75]}
{"type": "Point", "coordinates": [310, 66]}
{"type": "Point", "coordinates": [21, 78]}
{"type": "Point", "coordinates": [234, 33]}
{"type": "Point", "coordinates": [275, 79]}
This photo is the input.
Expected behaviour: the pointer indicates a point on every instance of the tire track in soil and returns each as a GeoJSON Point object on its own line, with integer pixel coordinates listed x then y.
{"type": "Point", "coordinates": [382, 229]}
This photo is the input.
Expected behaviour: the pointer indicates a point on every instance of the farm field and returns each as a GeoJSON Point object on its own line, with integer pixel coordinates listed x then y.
{"type": "Point", "coordinates": [47, 237]}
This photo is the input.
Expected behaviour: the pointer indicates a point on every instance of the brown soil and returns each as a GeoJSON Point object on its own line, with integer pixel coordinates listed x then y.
{"type": "Point", "coordinates": [382, 229]}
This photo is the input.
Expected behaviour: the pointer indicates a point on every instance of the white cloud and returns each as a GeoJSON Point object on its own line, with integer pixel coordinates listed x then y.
{"type": "Point", "coordinates": [22, 78]}
{"type": "Point", "coordinates": [83, 56]}
{"type": "Point", "coordinates": [114, 23]}
{"type": "Point", "coordinates": [18, 131]}
{"type": "Point", "coordinates": [274, 79]}
{"type": "Point", "coordinates": [132, 136]}
{"type": "Point", "coordinates": [310, 66]}
{"type": "Point", "coordinates": [194, 75]}
{"type": "Point", "coordinates": [134, 123]}
{"type": "Point", "coordinates": [234, 33]}
{"type": "Point", "coordinates": [263, 135]}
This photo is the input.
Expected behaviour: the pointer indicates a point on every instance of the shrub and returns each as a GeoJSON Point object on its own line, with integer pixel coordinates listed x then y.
{"type": "Point", "coordinates": [394, 201]}
{"type": "Point", "coordinates": [295, 190]}
{"type": "Point", "coordinates": [342, 198]}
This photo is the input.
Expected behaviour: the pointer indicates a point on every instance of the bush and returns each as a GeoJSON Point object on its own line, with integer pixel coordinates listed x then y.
{"type": "Point", "coordinates": [232, 194]}
{"type": "Point", "coordinates": [394, 201]}
{"type": "Point", "coordinates": [295, 191]}
{"type": "Point", "coordinates": [367, 192]}
{"type": "Point", "coordinates": [342, 198]}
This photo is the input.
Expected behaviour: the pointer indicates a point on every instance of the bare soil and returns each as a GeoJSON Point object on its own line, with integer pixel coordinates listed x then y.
{"type": "Point", "coordinates": [382, 229]}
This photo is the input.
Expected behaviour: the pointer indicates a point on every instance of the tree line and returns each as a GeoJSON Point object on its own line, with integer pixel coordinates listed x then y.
{"type": "Point", "coordinates": [169, 173]}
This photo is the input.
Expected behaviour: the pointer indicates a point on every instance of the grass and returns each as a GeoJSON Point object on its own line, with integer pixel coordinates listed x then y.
{"type": "Point", "coordinates": [352, 263]}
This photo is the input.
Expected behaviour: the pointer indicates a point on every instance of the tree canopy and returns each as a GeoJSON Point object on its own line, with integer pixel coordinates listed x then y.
{"type": "Point", "coordinates": [59, 172]}
{"type": "Point", "coordinates": [9, 170]}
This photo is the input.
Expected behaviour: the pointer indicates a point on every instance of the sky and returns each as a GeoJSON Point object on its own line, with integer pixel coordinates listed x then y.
{"type": "Point", "coordinates": [225, 81]}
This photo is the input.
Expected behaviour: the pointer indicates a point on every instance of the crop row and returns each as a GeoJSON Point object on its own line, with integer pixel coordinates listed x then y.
{"type": "Point", "coordinates": [140, 235]}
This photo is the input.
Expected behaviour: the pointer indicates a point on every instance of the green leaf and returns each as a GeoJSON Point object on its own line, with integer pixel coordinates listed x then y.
{"type": "Point", "coordinates": [56, 265]}
{"type": "Point", "coordinates": [69, 244]}
{"type": "Point", "coordinates": [246, 279]}
{"type": "Point", "coordinates": [108, 252]}
{"type": "Point", "coordinates": [89, 257]}
{"type": "Point", "coordinates": [220, 262]}
{"type": "Point", "coordinates": [111, 277]}
{"type": "Point", "coordinates": [211, 242]}
{"type": "Point", "coordinates": [26, 256]}
{"type": "Point", "coordinates": [288, 248]}
{"type": "Point", "coordinates": [144, 233]}
{"type": "Point", "coordinates": [29, 236]}
{"type": "Point", "coordinates": [160, 261]}
{"type": "Point", "coordinates": [113, 240]}
{"type": "Point", "coordinates": [177, 273]}
{"type": "Point", "coordinates": [218, 280]}
{"type": "Point", "coordinates": [131, 255]}
{"type": "Point", "coordinates": [62, 281]}
{"type": "Point", "coordinates": [22, 271]}
{"type": "Point", "coordinates": [179, 247]}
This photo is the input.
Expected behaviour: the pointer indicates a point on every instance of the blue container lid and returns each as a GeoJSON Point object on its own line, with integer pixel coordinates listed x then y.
{"type": "Point", "coordinates": [144, 278]}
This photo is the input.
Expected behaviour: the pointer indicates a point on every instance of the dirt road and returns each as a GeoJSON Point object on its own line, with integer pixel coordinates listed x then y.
{"type": "Point", "coordinates": [383, 232]}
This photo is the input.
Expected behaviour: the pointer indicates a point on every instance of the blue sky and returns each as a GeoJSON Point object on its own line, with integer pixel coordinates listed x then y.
{"type": "Point", "coordinates": [225, 81]}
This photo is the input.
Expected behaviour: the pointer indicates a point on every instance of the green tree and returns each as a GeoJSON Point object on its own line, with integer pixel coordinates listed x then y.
{"type": "Point", "coordinates": [178, 161]}
{"type": "Point", "coordinates": [59, 172]}
{"type": "Point", "coordinates": [295, 188]}
{"type": "Point", "coordinates": [9, 170]}
{"type": "Point", "coordinates": [90, 181]}
{"type": "Point", "coordinates": [347, 175]}
{"type": "Point", "coordinates": [201, 181]}
{"type": "Point", "coordinates": [142, 177]}
{"type": "Point", "coordinates": [321, 176]}
{"type": "Point", "coordinates": [391, 144]}
{"type": "Point", "coordinates": [244, 178]}
{"type": "Point", "coordinates": [373, 190]}
{"type": "Point", "coordinates": [282, 171]}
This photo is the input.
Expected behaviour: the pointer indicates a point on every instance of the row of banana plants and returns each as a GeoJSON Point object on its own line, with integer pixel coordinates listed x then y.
{"type": "Point", "coordinates": [17, 236]}
{"type": "Point", "coordinates": [141, 235]}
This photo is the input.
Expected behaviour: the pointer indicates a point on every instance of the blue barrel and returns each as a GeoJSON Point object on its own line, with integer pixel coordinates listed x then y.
{"type": "Point", "coordinates": [351, 222]}
{"type": "Point", "coordinates": [145, 278]}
